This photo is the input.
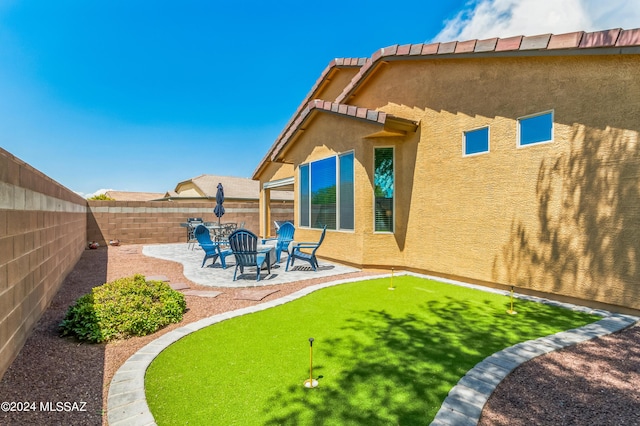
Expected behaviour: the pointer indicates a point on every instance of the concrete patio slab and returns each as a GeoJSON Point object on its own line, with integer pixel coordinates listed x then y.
{"type": "Point", "coordinates": [213, 275]}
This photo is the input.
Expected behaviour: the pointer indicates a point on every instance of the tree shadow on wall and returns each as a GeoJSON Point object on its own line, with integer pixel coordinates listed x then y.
{"type": "Point", "coordinates": [587, 239]}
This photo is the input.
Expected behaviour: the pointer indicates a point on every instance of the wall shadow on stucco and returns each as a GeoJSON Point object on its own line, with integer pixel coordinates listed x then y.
{"type": "Point", "coordinates": [405, 171]}
{"type": "Point", "coordinates": [587, 240]}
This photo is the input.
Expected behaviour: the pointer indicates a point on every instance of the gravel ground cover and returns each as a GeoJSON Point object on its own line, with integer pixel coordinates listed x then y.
{"type": "Point", "coordinates": [66, 382]}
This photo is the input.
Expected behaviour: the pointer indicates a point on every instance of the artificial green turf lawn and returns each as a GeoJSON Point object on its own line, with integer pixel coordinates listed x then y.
{"type": "Point", "coordinates": [381, 357]}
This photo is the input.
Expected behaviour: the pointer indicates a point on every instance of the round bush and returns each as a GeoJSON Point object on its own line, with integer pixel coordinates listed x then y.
{"type": "Point", "coordinates": [126, 307]}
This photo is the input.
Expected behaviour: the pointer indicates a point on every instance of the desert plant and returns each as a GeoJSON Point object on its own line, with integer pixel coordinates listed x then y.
{"type": "Point", "coordinates": [102, 197]}
{"type": "Point", "coordinates": [125, 307]}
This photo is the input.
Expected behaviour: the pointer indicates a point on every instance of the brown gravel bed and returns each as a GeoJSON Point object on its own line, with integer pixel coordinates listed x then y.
{"type": "Point", "coordinates": [599, 377]}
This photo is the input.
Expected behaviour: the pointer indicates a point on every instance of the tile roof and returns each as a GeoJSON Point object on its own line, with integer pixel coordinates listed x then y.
{"type": "Point", "coordinates": [537, 45]}
{"type": "Point", "coordinates": [608, 41]}
{"type": "Point", "coordinates": [332, 66]}
{"type": "Point", "coordinates": [234, 188]}
{"type": "Point", "coordinates": [134, 196]}
{"type": "Point", "coordinates": [352, 111]}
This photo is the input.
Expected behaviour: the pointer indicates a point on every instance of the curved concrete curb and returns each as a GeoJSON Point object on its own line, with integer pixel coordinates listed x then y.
{"type": "Point", "coordinates": [127, 404]}
{"type": "Point", "coordinates": [463, 406]}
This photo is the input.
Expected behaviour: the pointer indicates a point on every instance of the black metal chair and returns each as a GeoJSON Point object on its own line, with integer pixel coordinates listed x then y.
{"type": "Point", "coordinates": [244, 245]}
{"type": "Point", "coordinates": [192, 224]}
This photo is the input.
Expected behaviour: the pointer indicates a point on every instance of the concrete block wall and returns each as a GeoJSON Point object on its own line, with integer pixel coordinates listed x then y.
{"type": "Point", "coordinates": [42, 236]}
{"type": "Point", "coordinates": [157, 222]}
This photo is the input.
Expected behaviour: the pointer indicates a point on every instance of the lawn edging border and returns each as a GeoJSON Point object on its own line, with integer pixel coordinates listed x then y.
{"type": "Point", "coordinates": [127, 403]}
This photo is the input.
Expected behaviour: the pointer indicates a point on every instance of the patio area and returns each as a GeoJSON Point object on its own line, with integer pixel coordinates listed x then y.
{"type": "Point", "coordinates": [213, 275]}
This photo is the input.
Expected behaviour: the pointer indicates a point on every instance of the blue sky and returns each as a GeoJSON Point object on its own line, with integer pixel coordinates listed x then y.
{"type": "Point", "coordinates": [140, 95]}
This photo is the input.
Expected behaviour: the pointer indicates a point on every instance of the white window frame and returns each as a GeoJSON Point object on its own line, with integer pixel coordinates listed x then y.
{"type": "Point", "coordinates": [393, 223]}
{"type": "Point", "coordinates": [464, 141]}
{"type": "Point", "coordinates": [519, 131]}
{"type": "Point", "coordinates": [337, 157]}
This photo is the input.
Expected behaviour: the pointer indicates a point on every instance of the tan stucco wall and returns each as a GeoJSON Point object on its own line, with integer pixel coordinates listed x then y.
{"type": "Point", "coordinates": [335, 83]}
{"type": "Point", "coordinates": [188, 189]}
{"type": "Point", "coordinates": [558, 217]}
{"type": "Point", "coordinates": [561, 217]}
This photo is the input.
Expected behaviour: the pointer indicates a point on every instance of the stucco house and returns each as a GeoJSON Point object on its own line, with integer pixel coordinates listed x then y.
{"type": "Point", "coordinates": [504, 162]}
{"type": "Point", "coordinates": [204, 188]}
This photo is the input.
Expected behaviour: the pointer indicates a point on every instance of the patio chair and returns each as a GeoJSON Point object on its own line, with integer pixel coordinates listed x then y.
{"type": "Point", "coordinates": [244, 245]}
{"type": "Point", "coordinates": [285, 237]}
{"type": "Point", "coordinates": [297, 253]}
{"type": "Point", "coordinates": [211, 250]}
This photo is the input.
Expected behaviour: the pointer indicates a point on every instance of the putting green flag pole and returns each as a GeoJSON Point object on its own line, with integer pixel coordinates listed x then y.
{"type": "Point", "coordinates": [310, 382]}
{"type": "Point", "coordinates": [511, 311]}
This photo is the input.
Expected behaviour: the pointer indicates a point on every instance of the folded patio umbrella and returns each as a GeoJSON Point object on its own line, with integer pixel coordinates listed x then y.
{"type": "Point", "coordinates": [219, 208]}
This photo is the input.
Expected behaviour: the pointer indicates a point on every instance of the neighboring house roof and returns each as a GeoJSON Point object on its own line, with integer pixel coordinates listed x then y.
{"type": "Point", "coordinates": [134, 196]}
{"type": "Point", "coordinates": [600, 42]}
{"type": "Point", "coordinates": [239, 188]}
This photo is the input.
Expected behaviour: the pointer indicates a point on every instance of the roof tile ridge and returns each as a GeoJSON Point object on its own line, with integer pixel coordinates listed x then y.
{"type": "Point", "coordinates": [344, 109]}
{"type": "Point", "coordinates": [331, 107]}
{"type": "Point", "coordinates": [334, 63]}
{"type": "Point", "coordinates": [548, 41]}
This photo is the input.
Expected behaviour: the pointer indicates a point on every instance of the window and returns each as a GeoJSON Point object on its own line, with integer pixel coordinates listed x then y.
{"type": "Point", "coordinates": [327, 193]}
{"type": "Point", "coordinates": [304, 195]}
{"type": "Point", "coordinates": [535, 129]}
{"type": "Point", "coordinates": [476, 141]}
{"type": "Point", "coordinates": [323, 193]}
{"type": "Point", "coordinates": [383, 189]}
{"type": "Point", "coordinates": [346, 191]}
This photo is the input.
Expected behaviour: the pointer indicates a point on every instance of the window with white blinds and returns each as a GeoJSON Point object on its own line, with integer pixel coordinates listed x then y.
{"type": "Point", "coordinates": [383, 180]}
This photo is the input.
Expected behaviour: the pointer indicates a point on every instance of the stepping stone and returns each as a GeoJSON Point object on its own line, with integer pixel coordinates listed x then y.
{"type": "Point", "coordinates": [202, 293]}
{"type": "Point", "coordinates": [179, 286]}
{"type": "Point", "coordinates": [157, 278]}
{"type": "Point", "coordinates": [255, 295]}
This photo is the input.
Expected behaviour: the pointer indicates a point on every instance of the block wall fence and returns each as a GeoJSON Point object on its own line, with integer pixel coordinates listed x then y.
{"type": "Point", "coordinates": [42, 236]}
{"type": "Point", "coordinates": [45, 227]}
{"type": "Point", "coordinates": [158, 222]}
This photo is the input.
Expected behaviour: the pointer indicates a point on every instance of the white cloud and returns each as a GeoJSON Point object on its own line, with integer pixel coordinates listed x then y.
{"type": "Point", "coordinates": [98, 192]}
{"type": "Point", "coordinates": [503, 18]}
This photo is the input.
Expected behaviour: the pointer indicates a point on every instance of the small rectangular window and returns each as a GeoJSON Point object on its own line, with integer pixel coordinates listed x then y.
{"type": "Point", "coordinates": [476, 141]}
{"type": "Point", "coordinates": [535, 129]}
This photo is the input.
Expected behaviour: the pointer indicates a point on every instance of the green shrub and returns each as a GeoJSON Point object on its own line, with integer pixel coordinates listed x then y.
{"type": "Point", "coordinates": [101, 197]}
{"type": "Point", "coordinates": [126, 307]}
